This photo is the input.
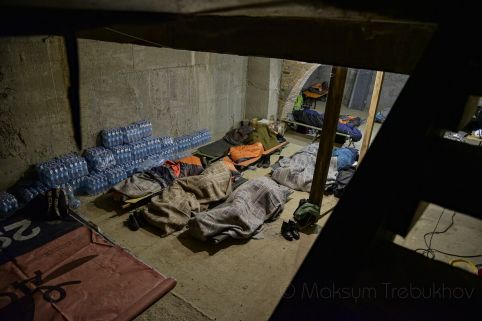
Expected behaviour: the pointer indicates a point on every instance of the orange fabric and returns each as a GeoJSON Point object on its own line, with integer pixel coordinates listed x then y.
{"type": "Point", "coordinates": [309, 94]}
{"type": "Point", "coordinates": [193, 160]}
{"type": "Point", "coordinates": [175, 167]}
{"type": "Point", "coordinates": [229, 164]}
{"type": "Point", "coordinates": [246, 151]}
{"type": "Point", "coordinates": [347, 120]}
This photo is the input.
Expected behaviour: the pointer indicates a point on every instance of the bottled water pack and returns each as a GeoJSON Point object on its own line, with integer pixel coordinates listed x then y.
{"type": "Point", "coordinates": [99, 158]}
{"type": "Point", "coordinates": [112, 137]}
{"type": "Point", "coordinates": [61, 170]}
{"type": "Point", "coordinates": [137, 131]}
{"type": "Point", "coordinates": [8, 204]}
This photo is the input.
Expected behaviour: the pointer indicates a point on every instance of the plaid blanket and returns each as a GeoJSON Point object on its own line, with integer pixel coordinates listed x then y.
{"type": "Point", "coordinates": [171, 210]}
{"type": "Point", "coordinates": [243, 213]}
{"type": "Point", "coordinates": [297, 171]}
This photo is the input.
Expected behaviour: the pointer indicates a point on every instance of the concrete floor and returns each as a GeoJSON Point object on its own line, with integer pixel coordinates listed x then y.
{"type": "Point", "coordinates": [243, 280]}
{"type": "Point", "coordinates": [236, 280]}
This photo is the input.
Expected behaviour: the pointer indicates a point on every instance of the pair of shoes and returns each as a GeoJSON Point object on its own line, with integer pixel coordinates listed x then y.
{"type": "Point", "coordinates": [289, 230]}
{"type": "Point", "coordinates": [135, 220]}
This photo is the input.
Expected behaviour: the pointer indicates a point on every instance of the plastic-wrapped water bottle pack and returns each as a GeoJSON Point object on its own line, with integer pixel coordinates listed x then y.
{"type": "Point", "coordinates": [8, 204]}
{"type": "Point", "coordinates": [132, 166]}
{"type": "Point", "coordinates": [153, 145]}
{"type": "Point", "coordinates": [99, 158]}
{"type": "Point", "coordinates": [115, 174]}
{"type": "Point", "coordinates": [151, 162]}
{"type": "Point", "coordinates": [113, 136]}
{"type": "Point", "coordinates": [95, 183]}
{"type": "Point", "coordinates": [61, 170]}
{"type": "Point", "coordinates": [136, 131]}
{"type": "Point", "coordinates": [139, 149]}
{"type": "Point", "coordinates": [77, 183]}
{"type": "Point", "coordinates": [166, 140]}
{"type": "Point", "coordinates": [122, 153]}
{"type": "Point", "coordinates": [26, 193]}
{"type": "Point", "coordinates": [193, 140]}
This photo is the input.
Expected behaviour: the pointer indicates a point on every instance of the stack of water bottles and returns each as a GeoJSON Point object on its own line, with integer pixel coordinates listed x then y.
{"type": "Point", "coordinates": [8, 204]}
{"type": "Point", "coordinates": [139, 150]}
{"type": "Point", "coordinates": [193, 140]}
{"type": "Point", "coordinates": [105, 171]}
{"type": "Point", "coordinates": [28, 192]}
{"type": "Point", "coordinates": [61, 170]}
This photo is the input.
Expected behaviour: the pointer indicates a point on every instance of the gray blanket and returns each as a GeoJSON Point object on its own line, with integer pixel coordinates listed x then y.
{"type": "Point", "coordinates": [172, 209]}
{"type": "Point", "coordinates": [297, 171]}
{"type": "Point", "coordinates": [244, 212]}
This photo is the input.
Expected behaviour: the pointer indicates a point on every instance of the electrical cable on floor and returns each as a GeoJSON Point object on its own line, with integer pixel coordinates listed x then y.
{"type": "Point", "coordinates": [430, 252]}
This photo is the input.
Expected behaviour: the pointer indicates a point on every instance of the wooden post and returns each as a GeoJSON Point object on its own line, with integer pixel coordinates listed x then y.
{"type": "Point", "coordinates": [377, 89]}
{"type": "Point", "coordinates": [328, 132]}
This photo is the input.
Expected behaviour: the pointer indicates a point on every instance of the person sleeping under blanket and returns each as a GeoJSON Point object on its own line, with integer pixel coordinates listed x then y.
{"type": "Point", "coordinates": [346, 124]}
{"type": "Point", "coordinates": [171, 210]}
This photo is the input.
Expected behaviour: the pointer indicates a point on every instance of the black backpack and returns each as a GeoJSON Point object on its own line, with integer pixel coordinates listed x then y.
{"type": "Point", "coordinates": [342, 179]}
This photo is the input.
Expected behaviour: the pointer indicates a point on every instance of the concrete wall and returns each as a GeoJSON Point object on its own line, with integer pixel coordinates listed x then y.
{"type": "Point", "coordinates": [179, 91]}
{"type": "Point", "coordinates": [35, 119]}
{"type": "Point", "coordinates": [391, 88]}
{"type": "Point", "coordinates": [263, 87]}
{"type": "Point", "coordinates": [294, 75]}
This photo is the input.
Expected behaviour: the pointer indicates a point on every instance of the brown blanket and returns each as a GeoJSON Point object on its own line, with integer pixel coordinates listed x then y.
{"type": "Point", "coordinates": [171, 210]}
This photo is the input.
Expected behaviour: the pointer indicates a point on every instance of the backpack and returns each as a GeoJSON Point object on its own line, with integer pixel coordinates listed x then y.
{"type": "Point", "coordinates": [342, 179]}
{"type": "Point", "coordinates": [306, 214]}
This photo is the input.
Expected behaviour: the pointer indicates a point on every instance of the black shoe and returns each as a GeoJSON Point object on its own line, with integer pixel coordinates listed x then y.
{"type": "Point", "coordinates": [266, 161]}
{"type": "Point", "coordinates": [260, 162]}
{"type": "Point", "coordinates": [140, 218]}
{"type": "Point", "coordinates": [132, 223]}
{"type": "Point", "coordinates": [286, 231]}
{"type": "Point", "coordinates": [294, 230]}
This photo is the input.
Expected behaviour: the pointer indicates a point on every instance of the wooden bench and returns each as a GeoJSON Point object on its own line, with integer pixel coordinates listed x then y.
{"type": "Point", "coordinates": [318, 130]}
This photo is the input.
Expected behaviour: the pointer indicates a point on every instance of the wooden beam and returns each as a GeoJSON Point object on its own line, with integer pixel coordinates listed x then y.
{"type": "Point", "coordinates": [377, 89]}
{"type": "Point", "coordinates": [330, 124]}
{"type": "Point", "coordinates": [357, 42]}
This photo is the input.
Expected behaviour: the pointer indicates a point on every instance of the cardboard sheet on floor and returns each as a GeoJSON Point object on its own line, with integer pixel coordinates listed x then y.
{"type": "Point", "coordinates": [62, 270]}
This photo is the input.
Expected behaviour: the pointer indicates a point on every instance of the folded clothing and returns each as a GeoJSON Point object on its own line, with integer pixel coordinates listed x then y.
{"type": "Point", "coordinates": [243, 213]}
